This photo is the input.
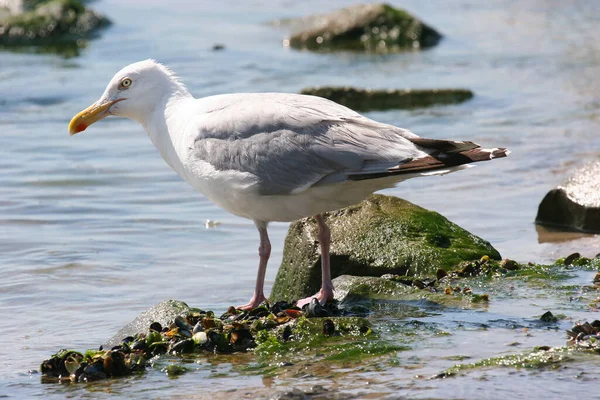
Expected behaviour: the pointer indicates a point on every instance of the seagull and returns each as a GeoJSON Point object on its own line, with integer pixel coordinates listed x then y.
{"type": "Point", "coordinates": [274, 156]}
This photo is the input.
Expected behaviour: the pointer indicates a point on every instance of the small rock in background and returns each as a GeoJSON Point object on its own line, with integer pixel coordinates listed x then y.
{"type": "Point", "coordinates": [576, 204]}
{"type": "Point", "coordinates": [364, 27]}
{"type": "Point", "coordinates": [59, 26]}
{"type": "Point", "coordinates": [548, 317]}
{"type": "Point", "coordinates": [366, 99]}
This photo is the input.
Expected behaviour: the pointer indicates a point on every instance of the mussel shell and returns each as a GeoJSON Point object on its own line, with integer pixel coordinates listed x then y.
{"type": "Point", "coordinates": [114, 364]}
{"type": "Point", "coordinates": [183, 346]}
{"type": "Point", "coordinates": [208, 323]}
{"type": "Point", "coordinates": [197, 328]}
{"type": "Point", "coordinates": [280, 306]}
{"type": "Point", "coordinates": [157, 348]}
{"type": "Point", "coordinates": [315, 309]}
{"type": "Point", "coordinates": [182, 324]}
{"type": "Point", "coordinates": [139, 345]}
{"type": "Point", "coordinates": [156, 326]}
{"type": "Point", "coordinates": [328, 327]}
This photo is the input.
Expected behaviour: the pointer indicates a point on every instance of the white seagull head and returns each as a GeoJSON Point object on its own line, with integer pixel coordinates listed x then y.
{"type": "Point", "coordinates": [132, 93]}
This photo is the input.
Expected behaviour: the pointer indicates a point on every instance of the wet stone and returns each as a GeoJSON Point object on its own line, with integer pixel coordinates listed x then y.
{"type": "Point", "coordinates": [364, 27]}
{"type": "Point", "coordinates": [548, 317]}
{"type": "Point", "coordinates": [369, 100]}
{"type": "Point", "coordinates": [571, 258]}
{"type": "Point", "coordinates": [381, 235]}
{"type": "Point", "coordinates": [59, 26]}
{"type": "Point", "coordinates": [575, 205]}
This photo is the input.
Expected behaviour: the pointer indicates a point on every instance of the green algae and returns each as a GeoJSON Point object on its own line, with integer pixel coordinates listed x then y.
{"type": "Point", "coordinates": [306, 334]}
{"type": "Point", "coordinates": [535, 359]}
{"type": "Point", "coordinates": [357, 351]}
{"type": "Point", "coordinates": [174, 370]}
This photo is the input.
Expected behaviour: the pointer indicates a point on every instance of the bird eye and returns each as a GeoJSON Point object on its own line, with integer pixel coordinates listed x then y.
{"type": "Point", "coordinates": [125, 83]}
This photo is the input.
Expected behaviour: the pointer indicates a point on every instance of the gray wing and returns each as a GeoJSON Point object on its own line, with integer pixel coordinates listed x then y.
{"type": "Point", "coordinates": [292, 142]}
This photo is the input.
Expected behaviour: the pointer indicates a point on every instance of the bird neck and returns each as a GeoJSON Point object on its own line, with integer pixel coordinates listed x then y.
{"type": "Point", "coordinates": [161, 126]}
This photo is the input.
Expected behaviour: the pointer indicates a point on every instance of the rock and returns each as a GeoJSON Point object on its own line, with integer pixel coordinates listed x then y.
{"type": "Point", "coordinates": [163, 313]}
{"type": "Point", "coordinates": [58, 25]}
{"type": "Point", "coordinates": [350, 288]}
{"type": "Point", "coordinates": [571, 258]}
{"type": "Point", "coordinates": [381, 235]}
{"type": "Point", "coordinates": [366, 99]}
{"type": "Point", "coordinates": [576, 204]}
{"type": "Point", "coordinates": [548, 317]}
{"type": "Point", "coordinates": [510, 265]}
{"type": "Point", "coordinates": [366, 27]}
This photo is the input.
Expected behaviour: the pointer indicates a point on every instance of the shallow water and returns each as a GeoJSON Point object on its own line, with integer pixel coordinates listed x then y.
{"type": "Point", "coordinates": [96, 228]}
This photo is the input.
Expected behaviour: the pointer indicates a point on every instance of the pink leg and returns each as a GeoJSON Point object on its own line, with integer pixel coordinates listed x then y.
{"type": "Point", "coordinates": [326, 292]}
{"type": "Point", "coordinates": [264, 251]}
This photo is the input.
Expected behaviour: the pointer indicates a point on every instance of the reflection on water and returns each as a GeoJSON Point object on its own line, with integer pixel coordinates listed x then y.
{"type": "Point", "coordinates": [95, 228]}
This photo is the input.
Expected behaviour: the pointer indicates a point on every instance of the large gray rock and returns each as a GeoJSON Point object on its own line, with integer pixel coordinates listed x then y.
{"type": "Point", "coordinates": [576, 204]}
{"type": "Point", "coordinates": [379, 236]}
{"type": "Point", "coordinates": [367, 99]}
{"type": "Point", "coordinates": [163, 313]}
{"type": "Point", "coordinates": [365, 27]}
{"type": "Point", "coordinates": [52, 25]}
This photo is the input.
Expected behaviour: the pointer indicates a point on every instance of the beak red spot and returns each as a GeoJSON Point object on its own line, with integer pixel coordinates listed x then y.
{"type": "Point", "coordinates": [81, 127]}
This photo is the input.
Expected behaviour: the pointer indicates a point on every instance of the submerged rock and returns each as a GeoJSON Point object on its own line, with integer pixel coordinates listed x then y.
{"type": "Point", "coordinates": [53, 25]}
{"type": "Point", "coordinates": [365, 27]}
{"type": "Point", "coordinates": [366, 99]}
{"type": "Point", "coordinates": [576, 204]}
{"type": "Point", "coordinates": [381, 235]}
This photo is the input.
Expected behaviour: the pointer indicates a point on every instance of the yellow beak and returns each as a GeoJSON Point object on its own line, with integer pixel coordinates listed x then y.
{"type": "Point", "coordinates": [85, 118]}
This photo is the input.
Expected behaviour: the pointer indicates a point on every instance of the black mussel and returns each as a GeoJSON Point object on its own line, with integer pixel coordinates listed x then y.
{"type": "Point", "coordinates": [139, 345]}
{"type": "Point", "coordinates": [419, 284]}
{"type": "Point", "coordinates": [259, 312]}
{"type": "Point", "coordinates": [287, 333]}
{"type": "Point", "coordinates": [183, 346]}
{"type": "Point", "coordinates": [197, 328]}
{"type": "Point", "coordinates": [280, 306]}
{"type": "Point", "coordinates": [328, 327]}
{"type": "Point", "coordinates": [241, 339]}
{"type": "Point", "coordinates": [56, 367]}
{"type": "Point", "coordinates": [571, 258]}
{"type": "Point", "coordinates": [440, 274]}
{"type": "Point", "coordinates": [182, 324]}
{"type": "Point", "coordinates": [315, 309]}
{"type": "Point", "coordinates": [93, 372]}
{"type": "Point", "coordinates": [219, 341]}
{"type": "Point", "coordinates": [114, 364]}
{"type": "Point", "coordinates": [510, 265]}
{"type": "Point", "coordinates": [157, 348]}
{"type": "Point", "coordinates": [156, 326]}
